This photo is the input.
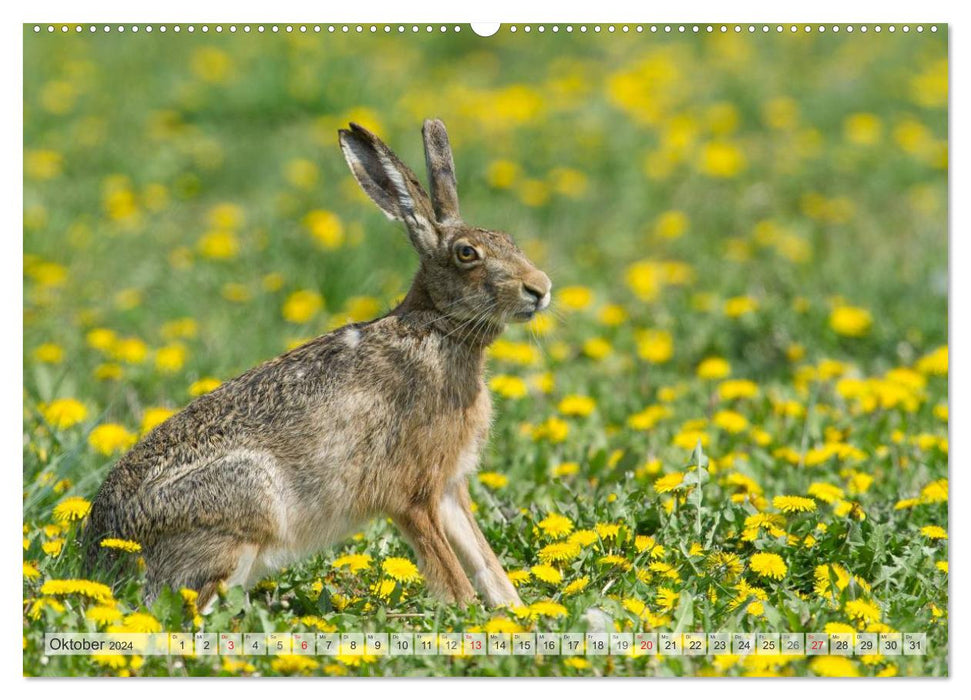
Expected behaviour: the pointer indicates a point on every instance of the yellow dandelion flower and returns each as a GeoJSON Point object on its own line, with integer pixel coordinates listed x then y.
{"type": "Point", "coordinates": [727, 564]}
{"type": "Point", "coordinates": [935, 492]}
{"type": "Point", "coordinates": [383, 588]}
{"type": "Point", "coordinates": [668, 482]}
{"type": "Point", "coordinates": [576, 586]}
{"type": "Point", "coordinates": [606, 531]}
{"type": "Point", "coordinates": [935, 362]}
{"type": "Point", "coordinates": [665, 570]}
{"type": "Point", "coordinates": [547, 608]}
{"type": "Point", "coordinates": [768, 565]}
{"type": "Point", "coordinates": [850, 321]}
{"type": "Point", "coordinates": [102, 615]}
{"type": "Point", "coordinates": [610, 315]}
{"type": "Point", "coordinates": [501, 625]}
{"type": "Point", "coordinates": [89, 589]}
{"type": "Point", "coordinates": [714, 368]}
{"type": "Point", "coordinates": [566, 469]}
{"type": "Point", "coordinates": [597, 348]}
{"type": "Point", "coordinates": [514, 352]}
{"type": "Point", "coordinates": [203, 386]}
{"type": "Point", "coordinates": [732, 389]}
{"type": "Point", "coordinates": [862, 611]}
{"type": "Point", "coordinates": [546, 574]}
{"type": "Point", "coordinates": [171, 358]}
{"type": "Point", "coordinates": [825, 492]}
{"type": "Point", "coordinates": [143, 623]}
{"type": "Point", "coordinates": [353, 562]}
{"type": "Point", "coordinates": [934, 532]}
{"type": "Point", "coordinates": [70, 509]}
{"type": "Point", "coordinates": [289, 664]}
{"type": "Point", "coordinates": [730, 421]}
{"type": "Point", "coordinates": [302, 305]}
{"type": "Point", "coordinates": [400, 570]}
{"type": "Point", "coordinates": [180, 328]}
{"type": "Point", "coordinates": [615, 560]}
{"type": "Point", "coordinates": [862, 128]}
{"type": "Point", "coordinates": [123, 545]}
{"type": "Point", "coordinates": [231, 665]}
{"type": "Point", "coordinates": [64, 413]}
{"type": "Point", "coordinates": [575, 298]}
{"type": "Point", "coordinates": [111, 438]}
{"type": "Point", "coordinates": [502, 174]}
{"type": "Point", "coordinates": [584, 538]}
{"type": "Point", "coordinates": [541, 325]}
{"type": "Point", "coordinates": [721, 159]}
{"type": "Point", "coordinates": [576, 405]}
{"type": "Point", "coordinates": [649, 417]}
{"type": "Point", "coordinates": [113, 661]}
{"type": "Point", "coordinates": [45, 603]}
{"type": "Point", "coordinates": [155, 416]}
{"type": "Point", "coordinates": [558, 552]}
{"type": "Point", "coordinates": [671, 224]}
{"type": "Point", "coordinates": [794, 504]}
{"type": "Point", "coordinates": [666, 598]}
{"type": "Point", "coordinates": [555, 525]}
{"type": "Point", "coordinates": [326, 228]}
{"type": "Point", "coordinates": [655, 346]}
{"type": "Point", "coordinates": [493, 480]}
{"type": "Point", "coordinates": [553, 429]}
{"type": "Point", "coordinates": [107, 371]}
{"type": "Point", "coordinates": [508, 386]}
{"type": "Point", "coordinates": [42, 164]}
{"type": "Point", "coordinates": [219, 245]}
{"type": "Point", "coordinates": [53, 547]}
{"type": "Point", "coordinates": [833, 667]}
{"type": "Point", "coordinates": [49, 353]}
{"type": "Point", "coordinates": [519, 576]}
{"type": "Point", "coordinates": [739, 306]}
{"type": "Point", "coordinates": [131, 351]}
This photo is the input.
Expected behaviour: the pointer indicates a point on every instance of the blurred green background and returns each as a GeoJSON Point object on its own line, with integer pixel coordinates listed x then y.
{"type": "Point", "coordinates": [576, 144]}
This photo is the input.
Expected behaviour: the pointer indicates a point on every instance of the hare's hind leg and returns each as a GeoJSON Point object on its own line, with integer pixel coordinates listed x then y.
{"type": "Point", "coordinates": [211, 519]}
{"type": "Point", "coordinates": [480, 562]}
{"type": "Point", "coordinates": [202, 561]}
{"type": "Point", "coordinates": [443, 573]}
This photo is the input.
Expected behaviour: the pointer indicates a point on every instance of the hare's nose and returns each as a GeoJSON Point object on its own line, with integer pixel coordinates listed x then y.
{"type": "Point", "coordinates": [537, 285]}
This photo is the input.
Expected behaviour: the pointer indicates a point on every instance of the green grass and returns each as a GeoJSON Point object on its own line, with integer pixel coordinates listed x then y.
{"type": "Point", "coordinates": [809, 176]}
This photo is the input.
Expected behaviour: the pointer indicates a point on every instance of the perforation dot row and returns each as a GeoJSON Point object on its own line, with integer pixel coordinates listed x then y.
{"type": "Point", "coordinates": [246, 29]}
{"type": "Point", "coordinates": [401, 29]}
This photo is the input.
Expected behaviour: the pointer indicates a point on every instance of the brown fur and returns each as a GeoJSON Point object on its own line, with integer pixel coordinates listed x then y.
{"type": "Point", "coordinates": [379, 418]}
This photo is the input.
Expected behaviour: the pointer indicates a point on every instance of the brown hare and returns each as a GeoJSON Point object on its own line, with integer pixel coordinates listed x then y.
{"type": "Point", "coordinates": [380, 418]}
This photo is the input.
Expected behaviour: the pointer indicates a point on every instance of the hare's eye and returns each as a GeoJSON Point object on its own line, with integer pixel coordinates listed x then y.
{"type": "Point", "coordinates": [466, 253]}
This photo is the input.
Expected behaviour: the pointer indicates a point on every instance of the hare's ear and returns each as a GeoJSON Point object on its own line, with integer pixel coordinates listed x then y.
{"type": "Point", "coordinates": [441, 171]}
{"type": "Point", "coordinates": [390, 184]}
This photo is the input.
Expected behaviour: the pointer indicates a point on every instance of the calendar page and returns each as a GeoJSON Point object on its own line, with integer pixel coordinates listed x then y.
{"type": "Point", "coordinates": [560, 349]}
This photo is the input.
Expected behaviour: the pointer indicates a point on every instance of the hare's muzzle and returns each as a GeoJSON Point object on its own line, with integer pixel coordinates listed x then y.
{"type": "Point", "coordinates": [535, 292]}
